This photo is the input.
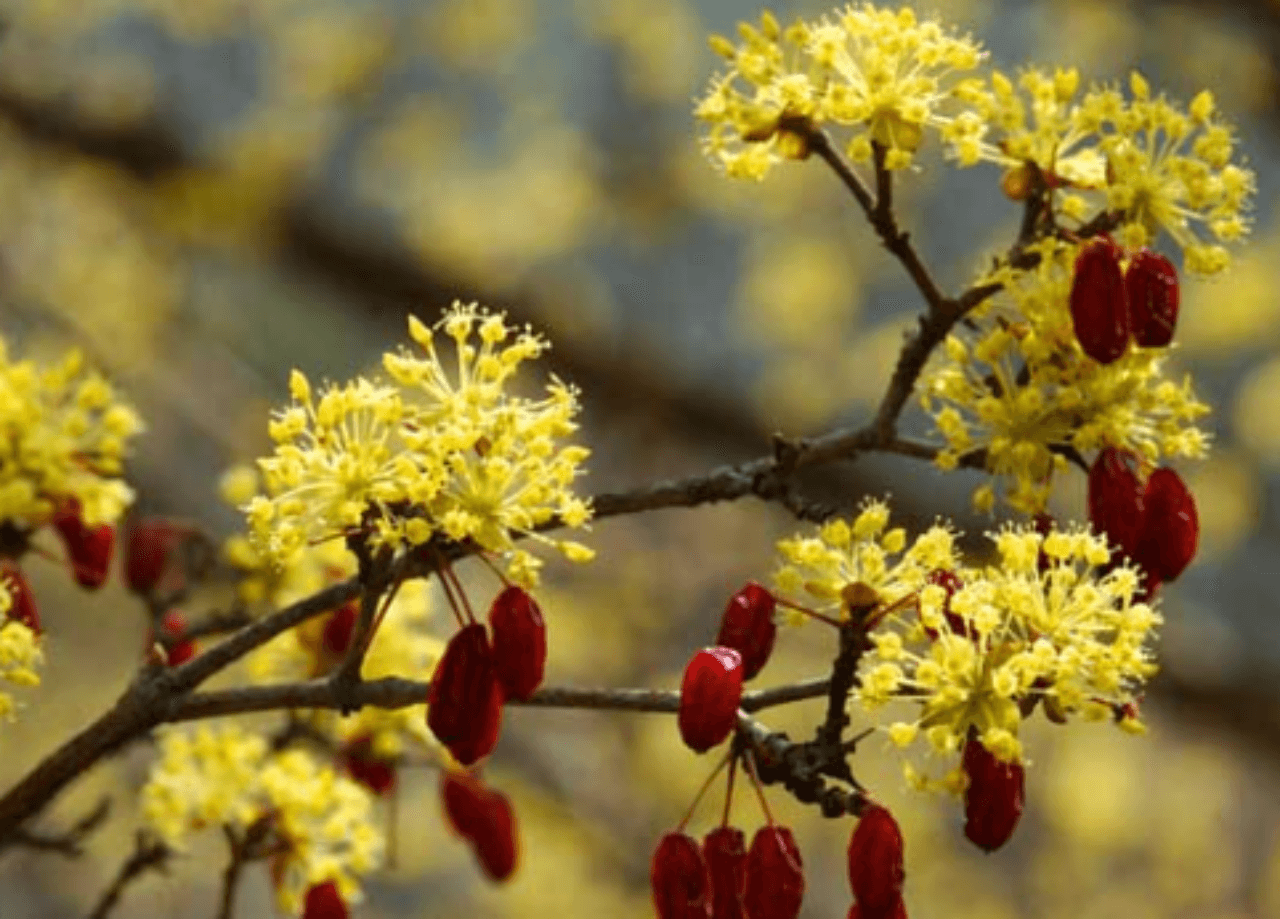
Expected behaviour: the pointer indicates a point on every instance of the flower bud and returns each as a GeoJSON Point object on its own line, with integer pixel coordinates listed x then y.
{"type": "Point", "coordinates": [366, 767]}
{"type": "Point", "coordinates": [876, 872]}
{"type": "Point", "coordinates": [709, 698]}
{"type": "Point", "coordinates": [483, 816]}
{"type": "Point", "coordinates": [1170, 529]}
{"type": "Point", "coordinates": [22, 602]}
{"type": "Point", "coordinates": [464, 707]}
{"type": "Point", "coordinates": [775, 875]}
{"type": "Point", "coordinates": [994, 798]}
{"type": "Point", "coordinates": [88, 550]}
{"type": "Point", "coordinates": [1115, 499]}
{"type": "Point", "coordinates": [679, 879]}
{"type": "Point", "coordinates": [725, 851]}
{"type": "Point", "coordinates": [1099, 310]}
{"type": "Point", "coordinates": [173, 624]}
{"type": "Point", "coordinates": [519, 642]}
{"type": "Point", "coordinates": [148, 545]}
{"type": "Point", "coordinates": [324, 902]}
{"type": "Point", "coordinates": [747, 627]}
{"type": "Point", "coordinates": [1151, 285]}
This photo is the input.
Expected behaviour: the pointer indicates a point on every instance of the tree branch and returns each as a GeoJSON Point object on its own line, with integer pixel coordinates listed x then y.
{"type": "Point", "coordinates": [148, 854]}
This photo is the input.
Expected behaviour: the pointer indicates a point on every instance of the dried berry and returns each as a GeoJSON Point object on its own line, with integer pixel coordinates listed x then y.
{"type": "Point", "coordinates": [464, 708]}
{"type": "Point", "coordinates": [374, 772]}
{"type": "Point", "coordinates": [876, 872]}
{"type": "Point", "coordinates": [324, 902]}
{"type": "Point", "coordinates": [775, 875]}
{"type": "Point", "coordinates": [173, 625]}
{"type": "Point", "coordinates": [679, 879]}
{"type": "Point", "coordinates": [1151, 285]}
{"type": "Point", "coordinates": [1170, 528]}
{"type": "Point", "coordinates": [994, 799]}
{"type": "Point", "coordinates": [898, 910]}
{"type": "Point", "coordinates": [1099, 308]}
{"type": "Point", "coordinates": [338, 629]}
{"type": "Point", "coordinates": [519, 642]}
{"type": "Point", "coordinates": [22, 602]}
{"type": "Point", "coordinates": [483, 816]}
{"type": "Point", "coordinates": [709, 697]}
{"type": "Point", "coordinates": [88, 549]}
{"type": "Point", "coordinates": [950, 582]}
{"type": "Point", "coordinates": [148, 545]}
{"type": "Point", "coordinates": [1115, 499]}
{"type": "Point", "coordinates": [725, 851]}
{"type": "Point", "coordinates": [747, 627]}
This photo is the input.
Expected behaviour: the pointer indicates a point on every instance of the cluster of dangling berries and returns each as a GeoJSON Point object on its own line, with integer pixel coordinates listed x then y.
{"type": "Point", "coordinates": [1148, 516]}
{"type": "Point", "coordinates": [1111, 305]}
{"type": "Point", "coordinates": [481, 669]}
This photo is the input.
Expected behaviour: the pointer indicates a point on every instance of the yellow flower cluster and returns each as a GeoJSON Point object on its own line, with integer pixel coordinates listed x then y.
{"type": "Point", "coordinates": [1021, 384]}
{"type": "Point", "coordinates": [1041, 625]}
{"type": "Point", "coordinates": [402, 646]}
{"type": "Point", "coordinates": [427, 453]}
{"type": "Point", "coordinates": [821, 567]}
{"type": "Point", "coordinates": [216, 777]}
{"type": "Point", "coordinates": [20, 655]}
{"type": "Point", "coordinates": [66, 434]}
{"type": "Point", "coordinates": [882, 73]}
{"type": "Point", "coordinates": [1155, 165]}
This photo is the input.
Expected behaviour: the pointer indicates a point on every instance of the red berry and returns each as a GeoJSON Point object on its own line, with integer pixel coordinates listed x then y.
{"type": "Point", "coordinates": [22, 602]}
{"type": "Point", "coordinates": [875, 861]}
{"type": "Point", "coordinates": [950, 582]}
{"type": "Point", "coordinates": [324, 902]}
{"type": "Point", "coordinates": [679, 879]}
{"type": "Point", "coordinates": [1170, 528]}
{"type": "Point", "coordinates": [88, 550]}
{"type": "Point", "coordinates": [775, 875]}
{"type": "Point", "coordinates": [747, 627]}
{"type": "Point", "coordinates": [1099, 310]}
{"type": "Point", "coordinates": [519, 642]}
{"type": "Point", "coordinates": [463, 797]}
{"type": "Point", "coordinates": [148, 544]}
{"type": "Point", "coordinates": [709, 698]}
{"type": "Point", "coordinates": [464, 708]}
{"type": "Point", "coordinates": [993, 801]}
{"type": "Point", "coordinates": [1044, 524]}
{"type": "Point", "coordinates": [370, 770]}
{"type": "Point", "coordinates": [173, 624]}
{"type": "Point", "coordinates": [1151, 285]}
{"type": "Point", "coordinates": [483, 816]}
{"type": "Point", "coordinates": [1115, 499]}
{"type": "Point", "coordinates": [898, 910]}
{"type": "Point", "coordinates": [338, 628]}
{"type": "Point", "coordinates": [726, 853]}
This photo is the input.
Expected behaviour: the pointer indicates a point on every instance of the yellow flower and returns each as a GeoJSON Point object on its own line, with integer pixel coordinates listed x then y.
{"type": "Point", "coordinates": [1020, 385]}
{"type": "Point", "coordinates": [20, 656]}
{"type": "Point", "coordinates": [428, 453]}
{"type": "Point", "coordinates": [66, 436]}
{"type": "Point", "coordinates": [882, 73]}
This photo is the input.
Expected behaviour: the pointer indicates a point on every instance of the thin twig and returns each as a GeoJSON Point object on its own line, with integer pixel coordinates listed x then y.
{"type": "Point", "coordinates": [68, 843]}
{"type": "Point", "coordinates": [148, 854]}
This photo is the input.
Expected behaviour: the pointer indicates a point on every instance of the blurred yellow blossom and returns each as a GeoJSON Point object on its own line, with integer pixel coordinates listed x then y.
{"type": "Point", "coordinates": [20, 655]}
{"type": "Point", "coordinates": [883, 73]}
{"type": "Point", "coordinates": [68, 434]}
{"type": "Point", "coordinates": [429, 453]}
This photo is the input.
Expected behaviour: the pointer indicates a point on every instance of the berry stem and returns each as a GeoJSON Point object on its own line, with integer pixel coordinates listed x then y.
{"type": "Point", "coordinates": [728, 790]}
{"type": "Point", "coordinates": [749, 763]}
{"type": "Point", "coordinates": [703, 790]}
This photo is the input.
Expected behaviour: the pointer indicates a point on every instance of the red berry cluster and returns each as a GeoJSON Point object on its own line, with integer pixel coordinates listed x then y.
{"type": "Point", "coordinates": [1109, 305]}
{"type": "Point", "coordinates": [722, 879]}
{"type": "Point", "coordinates": [324, 902]}
{"type": "Point", "coordinates": [1154, 523]}
{"type": "Point", "coordinates": [482, 816]}
{"type": "Point", "coordinates": [475, 676]}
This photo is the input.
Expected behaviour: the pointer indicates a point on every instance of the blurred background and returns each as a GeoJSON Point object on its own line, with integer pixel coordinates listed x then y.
{"type": "Point", "coordinates": [203, 194]}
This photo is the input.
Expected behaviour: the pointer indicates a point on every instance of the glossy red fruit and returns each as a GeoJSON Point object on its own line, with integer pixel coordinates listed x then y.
{"type": "Point", "coordinates": [747, 627]}
{"type": "Point", "coordinates": [709, 697]}
{"type": "Point", "coordinates": [172, 625]}
{"type": "Point", "coordinates": [519, 642]}
{"type": "Point", "coordinates": [1170, 530]}
{"type": "Point", "coordinates": [324, 902]}
{"type": "Point", "coordinates": [1151, 286]}
{"type": "Point", "coordinates": [22, 602]}
{"type": "Point", "coordinates": [462, 795]}
{"type": "Point", "coordinates": [339, 627]}
{"type": "Point", "coordinates": [775, 875]}
{"type": "Point", "coordinates": [484, 817]}
{"type": "Point", "coordinates": [725, 851]}
{"type": "Point", "coordinates": [876, 871]}
{"type": "Point", "coordinates": [950, 582]}
{"type": "Point", "coordinates": [897, 911]}
{"type": "Point", "coordinates": [148, 544]}
{"type": "Point", "coordinates": [1098, 302]}
{"type": "Point", "coordinates": [366, 767]}
{"type": "Point", "coordinates": [679, 879]}
{"type": "Point", "coordinates": [88, 549]}
{"type": "Point", "coordinates": [464, 708]}
{"type": "Point", "coordinates": [994, 799]}
{"type": "Point", "coordinates": [1115, 499]}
